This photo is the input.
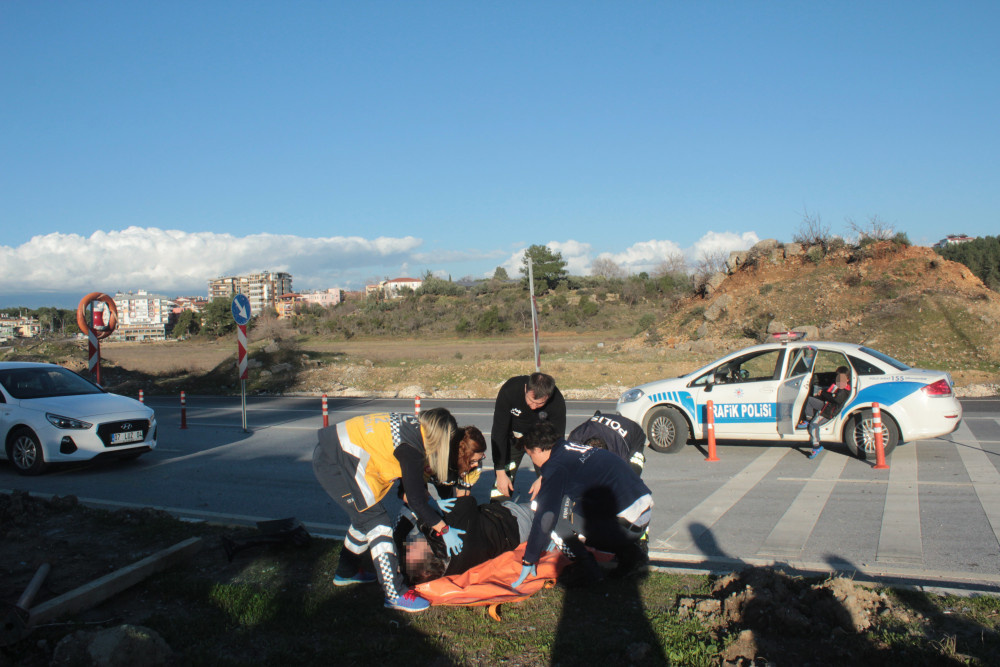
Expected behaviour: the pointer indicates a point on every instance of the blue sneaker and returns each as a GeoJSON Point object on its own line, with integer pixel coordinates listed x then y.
{"type": "Point", "coordinates": [802, 425]}
{"type": "Point", "coordinates": [815, 451]}
{"type": "Point", "coordinates": [360, 577]}
{"type": "Point", "coordinates": [409, 602]}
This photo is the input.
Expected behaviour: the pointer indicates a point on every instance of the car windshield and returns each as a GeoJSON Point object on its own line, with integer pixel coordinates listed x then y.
{"type": "Point", "coordinates": [44, 382]}
{"type": "Point", "coordinates": [898, 365]}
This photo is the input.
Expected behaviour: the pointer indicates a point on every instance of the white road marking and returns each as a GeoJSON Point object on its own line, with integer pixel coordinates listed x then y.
{"type": "Point", "coordinates": [984, 476]}
{"type": "Point", "coordinates": [790, 534]}
{"type": "Point", "coordinates": [682, 535]}
{"type": "Point", "coordinates": [900, 541]}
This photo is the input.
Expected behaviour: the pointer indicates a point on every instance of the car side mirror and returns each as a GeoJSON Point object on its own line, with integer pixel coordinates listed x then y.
{"type": "Point", "coordinates": [709, 382]}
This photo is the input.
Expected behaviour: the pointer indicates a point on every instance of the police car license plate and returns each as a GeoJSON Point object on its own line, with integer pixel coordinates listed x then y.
{"type": "Point", "coordinates": [126, 437]}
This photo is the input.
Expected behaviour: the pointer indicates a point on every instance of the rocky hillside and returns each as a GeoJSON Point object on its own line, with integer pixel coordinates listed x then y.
{"type": "Point", "coordinates": [905, 301]}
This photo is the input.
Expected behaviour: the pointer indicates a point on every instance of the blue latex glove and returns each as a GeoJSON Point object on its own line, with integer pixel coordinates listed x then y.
{"type": "Point", "coordinates": [446, 505]}
{"type": "Point", "coordinates": [525, 571]}
{"type": "Point", "coordinates": [453, 541]}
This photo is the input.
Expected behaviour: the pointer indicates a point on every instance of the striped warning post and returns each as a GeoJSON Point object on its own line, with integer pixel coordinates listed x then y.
{"type": "Point", "coordinates": [880, 463]}
{"type": "Point", "coordinates": [241, 348]}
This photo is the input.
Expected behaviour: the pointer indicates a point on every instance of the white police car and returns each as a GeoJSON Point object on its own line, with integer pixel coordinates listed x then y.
{"type": "Point", "coordinates": [49, 414]}
{"type": "Point", "coordinates": [758, 393]}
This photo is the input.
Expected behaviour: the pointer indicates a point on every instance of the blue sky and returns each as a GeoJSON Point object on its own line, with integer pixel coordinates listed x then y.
{"type": "Point", "coordinates": [157, 145]}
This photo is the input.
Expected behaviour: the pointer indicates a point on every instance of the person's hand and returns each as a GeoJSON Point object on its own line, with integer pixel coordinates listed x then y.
{"type": "Point", "coordinates": [504, 484]}
{"type": "Point", "coordinates": [526, 569]}
{"type": "Point", "coordinates": [535, 487]}
{"type": "Point", "coordinates": [446, 505]}
{"type": "Point", "coordinates": [453, 540]}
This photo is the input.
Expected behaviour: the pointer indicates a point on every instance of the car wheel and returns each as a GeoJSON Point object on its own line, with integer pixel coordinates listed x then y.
{"type": "Point", "coordinates": [859, 435]}
{"type": "Point", "coordinates": [667, 430]}
{"type": "Point", "coordinates": [25, 452]}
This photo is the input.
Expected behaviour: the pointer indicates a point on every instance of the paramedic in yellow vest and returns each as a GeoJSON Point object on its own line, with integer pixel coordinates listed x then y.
{"type": "Point", "coordinates": [357, 461]}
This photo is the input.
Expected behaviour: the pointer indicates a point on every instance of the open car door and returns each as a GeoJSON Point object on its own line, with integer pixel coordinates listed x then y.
{"type": "Point", "coordinates": [794, 389]}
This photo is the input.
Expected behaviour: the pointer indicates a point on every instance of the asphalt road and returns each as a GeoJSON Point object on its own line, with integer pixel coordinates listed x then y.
{"type": "Point", "coordinates": [932, 519]}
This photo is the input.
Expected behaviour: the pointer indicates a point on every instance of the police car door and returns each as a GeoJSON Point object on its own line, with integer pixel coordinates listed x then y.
{"type": "Point", "coordinates": [743, 394]}
{"type": "Point", "coordinates": [794, 389]}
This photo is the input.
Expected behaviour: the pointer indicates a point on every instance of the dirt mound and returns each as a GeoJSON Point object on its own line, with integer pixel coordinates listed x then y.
{"type": "Point", "coordinates": [906, 301]}
{"type": "Point", "coordinates": [770, 614]}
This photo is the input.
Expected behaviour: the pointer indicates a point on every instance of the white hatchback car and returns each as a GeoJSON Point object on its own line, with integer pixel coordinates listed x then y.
{"type": "Point", "coordinates": [49, 414]}
{"type": "Point", "coordinates": [758, 393]}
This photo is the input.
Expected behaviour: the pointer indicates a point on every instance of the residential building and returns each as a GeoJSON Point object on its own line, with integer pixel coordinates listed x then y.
{"type": "Point", "coordinates": [953, 239]}
{"type": "Point", "coordinates": [262, 289]}
{"type": "Point", "coordinates": [325, 298]}
{"type": "Point", "coordinates": [285, 305]}
{"type": "Point", "coordinates": [393, 289]}
{"type": "Point", "coordinates": [192, 303]}
{"type": "Point", "coordinates": [19, 327]}
{"type": "Point", "coordinates": [142, 316]}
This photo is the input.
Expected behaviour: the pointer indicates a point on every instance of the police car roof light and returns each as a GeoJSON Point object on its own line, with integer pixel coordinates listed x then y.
{"type": "Point", "coordinates": [786, 336]}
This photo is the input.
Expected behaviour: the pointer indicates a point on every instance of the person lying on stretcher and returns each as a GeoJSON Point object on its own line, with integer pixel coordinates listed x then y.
{"type": "Point", "coordinates": [490, 530]}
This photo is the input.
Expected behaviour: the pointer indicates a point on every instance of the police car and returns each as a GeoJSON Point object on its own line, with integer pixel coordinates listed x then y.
{"type": "Point", "coordinates": [758, 393]}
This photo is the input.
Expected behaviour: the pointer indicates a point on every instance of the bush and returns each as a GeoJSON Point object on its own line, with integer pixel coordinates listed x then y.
{"type": "Point", "coordinates": [815, 254]}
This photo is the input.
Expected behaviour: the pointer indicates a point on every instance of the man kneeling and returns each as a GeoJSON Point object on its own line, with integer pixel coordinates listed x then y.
{"type": "Point", "coordinates": [608, 503]}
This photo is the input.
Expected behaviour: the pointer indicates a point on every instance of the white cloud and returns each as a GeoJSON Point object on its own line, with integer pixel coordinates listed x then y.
{"type": "Point", "coordinates": [642, 256]}
{"type": "Point", "coordinates": [176, 262]}
{"type": "Point", "coordinates": [725, 242]}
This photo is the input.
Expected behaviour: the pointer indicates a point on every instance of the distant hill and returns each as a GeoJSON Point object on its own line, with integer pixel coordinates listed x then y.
{"type": "Point", "coordinates": [908, 302]}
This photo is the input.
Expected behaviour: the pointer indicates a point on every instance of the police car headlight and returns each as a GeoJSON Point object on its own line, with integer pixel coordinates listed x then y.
{"type": "Point", "coordinates": [631, 395]}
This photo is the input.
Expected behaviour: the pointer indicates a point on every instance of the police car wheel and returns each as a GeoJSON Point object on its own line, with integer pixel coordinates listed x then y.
{"type": "Point", "coordinates": [667, 430]}
{"type": "Point", "coordinates": [859, 435]}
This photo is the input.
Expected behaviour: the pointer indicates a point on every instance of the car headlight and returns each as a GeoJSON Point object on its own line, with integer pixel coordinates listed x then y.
{"type": "Point", "coordinates": [631, 395]}
{"type": "Point", "coordinates": [66, 422]}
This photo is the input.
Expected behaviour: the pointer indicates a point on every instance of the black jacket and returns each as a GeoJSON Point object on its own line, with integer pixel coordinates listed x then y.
{"type": "Point", "coordinates": [511, 415]}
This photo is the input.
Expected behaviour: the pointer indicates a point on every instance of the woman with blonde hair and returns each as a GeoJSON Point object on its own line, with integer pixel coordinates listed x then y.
{"type": "Point", "coordinates": [357, 461]}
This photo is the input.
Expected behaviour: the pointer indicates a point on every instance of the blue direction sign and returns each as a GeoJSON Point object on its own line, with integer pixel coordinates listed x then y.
{"type": "Point", "coordinates": [241, 309]}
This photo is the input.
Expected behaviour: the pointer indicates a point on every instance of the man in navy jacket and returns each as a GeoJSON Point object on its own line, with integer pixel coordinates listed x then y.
{"type": "Point", "coordinates": [608, 505]}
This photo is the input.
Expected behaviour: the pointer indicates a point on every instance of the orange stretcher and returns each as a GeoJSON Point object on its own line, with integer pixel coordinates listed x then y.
{"type": "Point", "coordinates": [488, 584]}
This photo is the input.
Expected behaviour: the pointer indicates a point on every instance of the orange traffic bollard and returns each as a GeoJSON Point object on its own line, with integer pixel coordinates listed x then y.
{"type": "Point", "coordinates": [184, 421]}
{"type": "Point", "coordinates": [880, 463]}
{"type": "Point", "coordinates": [416, 406]}
{"type": "Point", "coordinates": [141, 398]}
{"type": "Point", "coordinates": [326, 414]}
{"type": "Point", "coordinates": [710, 425]}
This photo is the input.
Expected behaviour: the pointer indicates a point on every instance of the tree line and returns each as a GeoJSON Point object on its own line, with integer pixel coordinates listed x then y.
{"type": "Point", "coordinates": [981, 255]}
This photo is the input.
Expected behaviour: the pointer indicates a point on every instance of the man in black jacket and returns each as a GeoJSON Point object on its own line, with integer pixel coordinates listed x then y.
{"type": "Point", "coordinates": [522, 401]}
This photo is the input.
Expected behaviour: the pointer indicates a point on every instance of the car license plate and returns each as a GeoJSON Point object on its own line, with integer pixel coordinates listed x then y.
{"type": "Point", "coordinates": [126, 437]}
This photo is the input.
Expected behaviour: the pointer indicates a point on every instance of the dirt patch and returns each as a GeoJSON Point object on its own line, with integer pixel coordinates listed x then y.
{"type": "Point", "coordinates": [770, 614]}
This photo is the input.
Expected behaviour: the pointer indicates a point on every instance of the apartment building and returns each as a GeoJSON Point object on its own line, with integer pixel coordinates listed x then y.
{"type": "Point", "coordinates": [19, 327]}
{"type": "Point", "coordinates": [286, 303]}
{"type": "Point", "coordinates": [142, 316]}
{"type": "Point", "coordinates": [262, 289]}
{"type": "Point", "coordinates": [392, 289]}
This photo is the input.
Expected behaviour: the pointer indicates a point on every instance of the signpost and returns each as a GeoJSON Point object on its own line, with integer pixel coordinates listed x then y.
{"type": "Point", "coordinates": [534, 316]}
{"type": "Point", "coordinates": [241, 314]}
{"type": "Point", "coordinates": [90, 317]}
